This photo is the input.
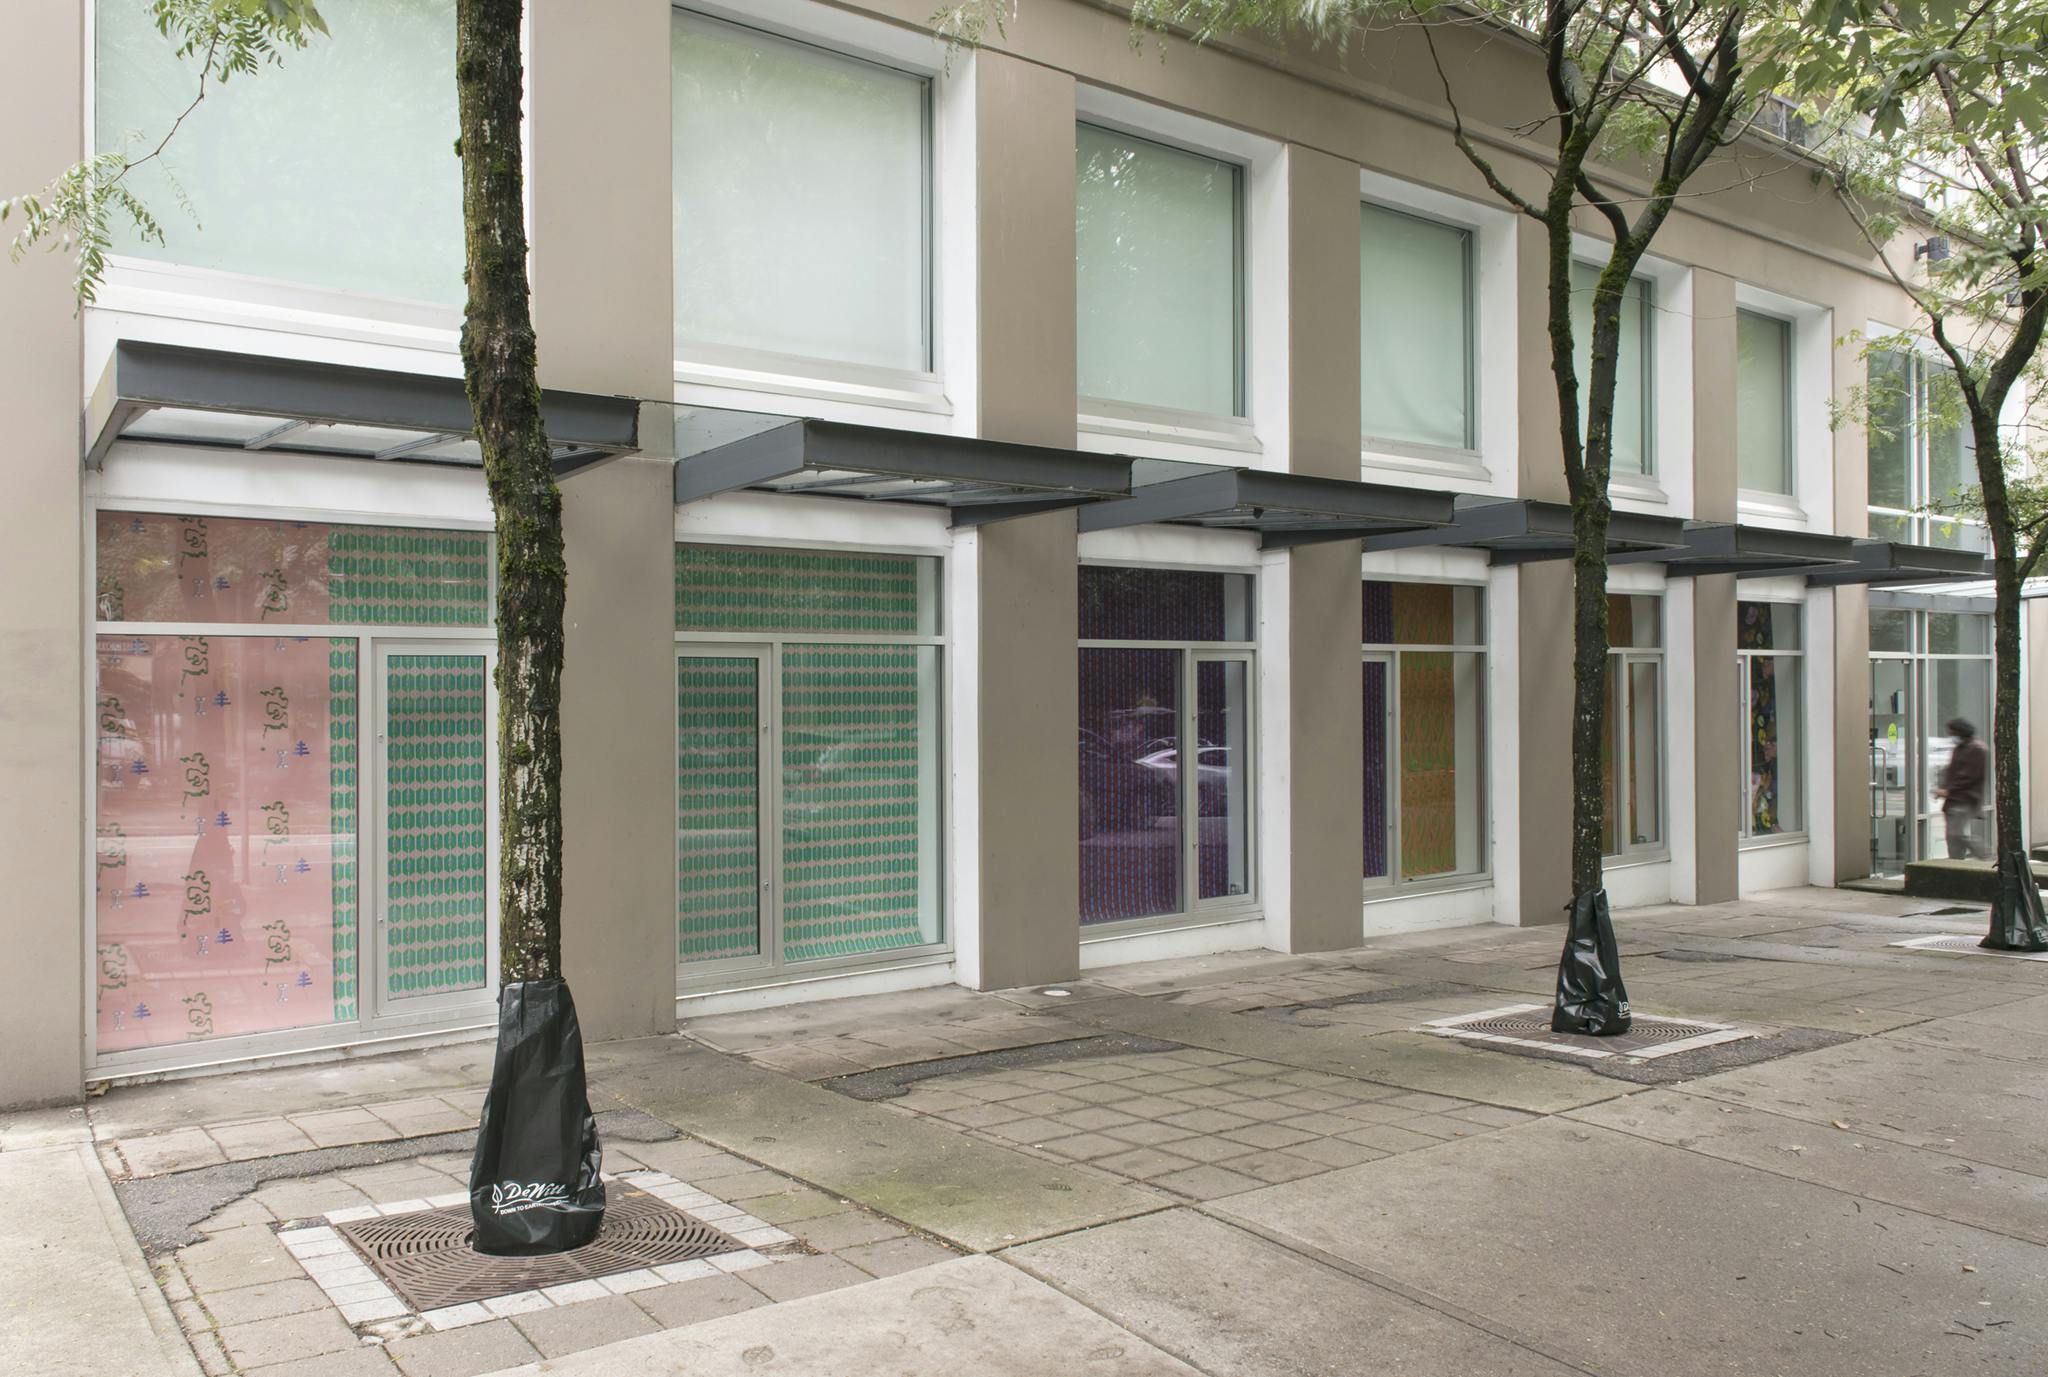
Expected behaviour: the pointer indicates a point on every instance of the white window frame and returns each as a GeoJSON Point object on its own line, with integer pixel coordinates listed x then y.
{"type": "Point", "coordinates": [134, 482]}
{"type": "Point", "coordinates": [1810, 439]}
{"type": "Point", "coordinates": [768, 967]}
{"type": "Point", "coordinates": [1393, 882]}
{"type": "Point", "coordinates": [715, 375]}
{"type": "Point", "coordinates": [1108, 426]}
{"type": "Point", "coordinates": [1619, 659]}
{"type": "Point", "coordinates": [1745, 664]}
{"type": "Point", "coordinates": [1488, 464]}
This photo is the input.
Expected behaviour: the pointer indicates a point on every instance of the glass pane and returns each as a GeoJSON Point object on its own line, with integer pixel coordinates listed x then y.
{"type": "Point", "coordinates": [437, 849]}
{"type": "Point", "coordinates": [1223, 778]}
{"type": "Point", "coordinates": [1441, 803]}
{"type": "Point", "coordinates": [1891, 526]}
{"type": "Point", "coordinates": [334, 170]}
{"type": "Point", "coordinates": [1890, 629]}
{"type": "Point", "coordinates": [1955, 688]}
{"type": "Point", "coordinates": [224, 878]}
{"type": "Point", "coordinates": [718, 807]}
{"type": "Point", "coordinates": [759, 588]}
{"type": "Point", "coordinates": [1767, 626]}
{"type": "Point", "coordinates": [1888, 432]}
{"type": "Point", "coordinates": [1645, 749]}
{"type": "Point", "coordinates": [1634, 619]}
{"type": "Point", "coordinates": [1774, 745]}
{"type": "Point", "coordinates": [1951, 450]}
{"type": "Point", "coordinates": [1377, 719]}
{"type": "Point", "coordinates": [1421, 614]}
{"type": "Point", "coordinates": [799, 199]}
{"type": "Point", "coordinates": [860, 800]}
{"type": "Point", "coordinates": [1763, 402]}
{"type": "Point", "coordinates": [155, 568]}
{"type": "Point", "coordinates": [1891, 732]}
{"type": "Point", "coordinates": [1632, 449]}
{"type": "Point", "coordinates": [1156, 266]}
{"type": "Point", "coordinates": [1121, 603]}
{"type": "Point", "coordinates": [1958, 633]}
{"type": "Point", "coordinates": [1415, 328]}
{"type": "Point", "coordinates": [1130, 784]}
{"type": "Point", "coordinates": [1609, 766]}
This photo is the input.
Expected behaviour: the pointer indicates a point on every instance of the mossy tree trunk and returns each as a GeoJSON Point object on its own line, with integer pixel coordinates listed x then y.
{"type": "Point", "coordinates": [500, 369]}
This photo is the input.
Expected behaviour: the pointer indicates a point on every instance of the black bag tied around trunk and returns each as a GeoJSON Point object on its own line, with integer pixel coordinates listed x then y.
{"type": "Point", "coordinates": [2016, 918]}
{"type": "Point", "coordinates": [1590, 996]}
{"type": "Point", "coordinates": [534, 1185]}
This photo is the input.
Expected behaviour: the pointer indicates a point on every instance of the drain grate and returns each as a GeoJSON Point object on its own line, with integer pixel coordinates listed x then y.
{"type": "Point", "coordinates": [426, 1257]}
{"type": "Point", "coordinates": [1528, 1025]}
{"type": "Point", "coordinates": [1967, 946]}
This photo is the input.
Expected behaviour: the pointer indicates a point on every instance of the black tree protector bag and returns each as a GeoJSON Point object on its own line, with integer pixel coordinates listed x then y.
{"type": "Point", "coordinates": [533, 1184]}
{"type": "Point", "coordinates": [1590, 996]}
{"type": "Point", "coordinates": [2016, 918]}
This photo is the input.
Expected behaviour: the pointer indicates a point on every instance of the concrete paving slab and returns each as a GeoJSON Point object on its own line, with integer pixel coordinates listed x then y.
{"type": "Point", "coordinates": [1635, 1258]}
{"type": "Point", "coordinates": [2006, 1202]}
{"type": "Point", "coordinates": [1983, 1034]}
{"type": "Point", "coordinates": [1207, 1292]}
{"type": "Point", "coordinates": [1412, 1060]}
{"type": "Point", "coordinates": [969, 1315]}
{"type": "Point", "coordinates": [79, 1300]}
{"type": "Point", "coordinates": [1968, 1106]}
{"type": "Point", "coordinates": [961, 1189]}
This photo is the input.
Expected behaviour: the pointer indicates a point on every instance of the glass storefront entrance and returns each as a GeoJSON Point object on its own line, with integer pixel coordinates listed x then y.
{"type": "Point", "coordinates": [1925, 669]}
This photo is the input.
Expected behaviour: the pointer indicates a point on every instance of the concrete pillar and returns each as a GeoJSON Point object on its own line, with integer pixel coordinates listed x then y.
{"type": "Point", "coordinates": [1543, 631]}
{"type": "Point", "coordinates": [598, 178]}
{"type": "Point", "coordinates": [1715, 766]}
{"type": "Point", "coordinates": [1029, 710]}
{"type": "Point", "coordinates": [1323, 840]}
{"type": "Point", "coordinates": [42, 618]}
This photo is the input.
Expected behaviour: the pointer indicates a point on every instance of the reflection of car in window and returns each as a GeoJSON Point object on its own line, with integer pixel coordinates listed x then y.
{"type": "Point", "coordinates": [1118, 791]}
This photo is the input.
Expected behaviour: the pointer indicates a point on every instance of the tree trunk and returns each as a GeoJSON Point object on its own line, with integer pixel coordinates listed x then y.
{"type": "Point", "coordinates": [500, 368]}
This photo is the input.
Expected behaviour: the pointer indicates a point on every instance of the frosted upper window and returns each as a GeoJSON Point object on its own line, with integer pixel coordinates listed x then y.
{"type": "Point", "coordinates": [1763, 402]}
{"type": "Point", "coordinates": [1156, 238]}
{"type": "Point", "coordinates": [1415, 329]}
{"type": "Point", "coordinates": [800, 198]}
{"type": "Point", "coordinates": [335, 169]}
{"type": "Point", "coordinates": [1633, 451]}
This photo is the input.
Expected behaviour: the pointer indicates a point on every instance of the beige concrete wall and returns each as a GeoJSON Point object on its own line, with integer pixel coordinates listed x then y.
{"type": "Point", "coordinates": [1326, 751]}
{"type": "Point", "coordinates": [42, 651]}
{"type": "Point", "coordinates": [1716, 773]}
{"type": "Point", "coordinates": [1029, 806]}
{"type": "Point", "coordinates": [599, 189]}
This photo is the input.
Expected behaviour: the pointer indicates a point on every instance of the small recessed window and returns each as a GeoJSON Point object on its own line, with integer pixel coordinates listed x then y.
{"type": "Point", "coordinates": [1415, 329]}
{"type": "Point", "coordinates": [1763, 403]}
{"type": "Point", "coordinates": [1633, 450]}
{"type": "Point", "coordinates": [1158, 242]}
{"type": "Point", "coordinates": [800, 201]}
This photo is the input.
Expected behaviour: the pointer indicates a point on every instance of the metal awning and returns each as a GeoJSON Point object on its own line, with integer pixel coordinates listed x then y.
{"type": "Point", "coordinates": [1516, 530]}
{"type": "Point", "coordinates": [977, 481]}
{"type": "Point", "coordinates": [1721, 547]}
{"type": "Point", "coordinates": [175, 394]}
{"type": "Point", "coordinates": [1282, 509]}
{"type": "Point", "coordinates": [1881, 562]}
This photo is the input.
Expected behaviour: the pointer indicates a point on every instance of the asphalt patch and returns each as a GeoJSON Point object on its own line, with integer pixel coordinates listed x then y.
{"type": "Point", "coordinates": [165, 1211]}
{"type": "Point", "coordinates": [891, 1082]}
{"type": "Point", "coordinates": [1397, 994]}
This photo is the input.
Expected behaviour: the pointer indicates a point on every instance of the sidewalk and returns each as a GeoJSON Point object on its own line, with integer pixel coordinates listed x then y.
{"type": "Point", "coordinates": [1242, 1164]}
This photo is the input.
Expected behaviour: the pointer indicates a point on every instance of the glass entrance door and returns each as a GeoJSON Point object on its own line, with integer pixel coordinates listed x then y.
{"type": "Point", "coordinates": [1378, 710]}
{"type": "Point", "coordinates": [1220, 782]}
{"type": "Point", "coordinates": [433, 885]}
{"type": "Point", "coordinates": [1894, 765]}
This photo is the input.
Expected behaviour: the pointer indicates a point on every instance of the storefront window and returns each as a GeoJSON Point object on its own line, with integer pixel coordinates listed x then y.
{"type": "Point", "coordinates": [1769, 679]}
{"type": "Point", "coordinates": [1922, 468]}
{"type": "Point", "coordinates": [229, 791]}
{"type": "Point", "coordinates": [1926, 668]}
{"type": "Point", "coordinates": [1424, 673]}
{"type": "Point", "coordinates": [808, 808]}
{"type": "Point", "coordinates": [1166, 671]}
{"type": "Point", "coordinates": [1632, 760]}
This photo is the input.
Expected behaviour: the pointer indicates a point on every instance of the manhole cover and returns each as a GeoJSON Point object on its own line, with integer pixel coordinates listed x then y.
{"type": "Point", "coordinates": [1967, 946]}
{"type": "Point", "coordinates": [426, 1257]}
{"type": "Point", "coordinates": [1528, 1025]}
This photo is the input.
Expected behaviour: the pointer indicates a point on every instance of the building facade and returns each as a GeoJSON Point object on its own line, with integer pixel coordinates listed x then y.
{"type": "Point", "coordinates": [975, 467]}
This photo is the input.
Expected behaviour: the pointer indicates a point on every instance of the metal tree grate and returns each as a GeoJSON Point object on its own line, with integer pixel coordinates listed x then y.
{"type": "Point", "coordinates": [426, 1257]}
{"type": "Point", "coordinates": [1528, 1025]}
{"type": "Point", "coordinates": [1968, 946]}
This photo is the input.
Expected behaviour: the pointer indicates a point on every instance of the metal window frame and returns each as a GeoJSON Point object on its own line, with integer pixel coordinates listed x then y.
{"type": "Point", "coordinates": [1744, 667]}
{"type": "Point", "coordinates": [1395, 882]}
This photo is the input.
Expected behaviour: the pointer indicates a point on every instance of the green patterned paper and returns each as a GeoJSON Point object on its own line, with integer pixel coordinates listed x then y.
{"type": "Point", "coordinates": [718, 787]}
{"type": "Point", "coordinates": [436, 853]}
{"type": "Point", "coordinates": [378, 576]}
{"type": "Point", "coordinates": [342, 803]}
{"type": "Point", "coordinates": [827, 592]}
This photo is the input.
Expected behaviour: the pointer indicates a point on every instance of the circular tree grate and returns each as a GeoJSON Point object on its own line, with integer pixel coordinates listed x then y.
{"type": "Point", "coordinates": [425, 1255]}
